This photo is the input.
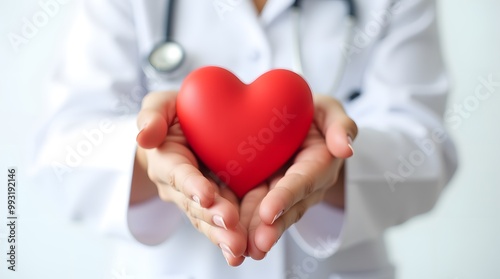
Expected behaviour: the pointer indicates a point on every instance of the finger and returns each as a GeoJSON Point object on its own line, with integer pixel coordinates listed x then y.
{"type": "Point", "coordinates": [266, 236]}
{"type": "Point", "coordinates": [157, 113]}
{"type": "Point", "coordinates": [185, 178]}
{"type": "Point", "coordinates": [301, 180]}
{"type": "Point", "coordinates": [231, 242]}
{"type": "Point", "coordinates": [229, 195]}
{"type": "Point", "coordinates": [337, 127]}
{"type": "Point", "coordinates": [251, 202]}
{"type": "Point", "coordinates": [222, 213]}
{"type": "Point", "coordinates": [252, 249]}
{"type": "Point", "coordinates": [250, 219]}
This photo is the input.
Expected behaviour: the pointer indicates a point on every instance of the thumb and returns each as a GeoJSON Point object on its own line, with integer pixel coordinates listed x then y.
{"type": "Point", "coordinates": [156, 115]}
{"type": "Point", "coordinates": [337, 127]}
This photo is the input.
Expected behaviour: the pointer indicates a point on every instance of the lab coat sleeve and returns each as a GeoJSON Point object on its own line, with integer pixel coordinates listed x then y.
{"type": "Point", "coordinates": [86, 150]}
{"type": "Point", "coordinates": [403, 154]}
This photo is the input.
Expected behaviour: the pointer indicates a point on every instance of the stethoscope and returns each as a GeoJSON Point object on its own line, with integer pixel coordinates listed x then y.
{"type": "Point", "coordinates": [168, 58]}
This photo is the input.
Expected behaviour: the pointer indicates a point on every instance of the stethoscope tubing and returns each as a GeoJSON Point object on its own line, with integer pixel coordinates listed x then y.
{"type": "Point", "coordinates": [153, 71]}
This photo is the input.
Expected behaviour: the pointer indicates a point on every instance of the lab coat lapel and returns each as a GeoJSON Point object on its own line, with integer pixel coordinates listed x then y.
{"type": "Point", "coordinates": [273, 9]}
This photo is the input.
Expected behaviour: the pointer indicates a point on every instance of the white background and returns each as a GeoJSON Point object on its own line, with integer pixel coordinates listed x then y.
{"type": "Point", "coordinates": [460, 239]}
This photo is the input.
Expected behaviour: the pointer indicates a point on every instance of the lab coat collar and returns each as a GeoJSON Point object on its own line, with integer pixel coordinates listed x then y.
{"type": "Point", "coordinates": [273, 9]}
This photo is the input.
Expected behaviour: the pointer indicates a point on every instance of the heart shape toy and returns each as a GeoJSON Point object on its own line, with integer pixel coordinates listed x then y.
{"type": "Point", "coordinates": [244, 133]}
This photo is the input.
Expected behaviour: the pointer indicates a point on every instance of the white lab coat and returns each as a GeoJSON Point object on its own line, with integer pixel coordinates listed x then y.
{"type": "Point", "coordinates": [403, 155]}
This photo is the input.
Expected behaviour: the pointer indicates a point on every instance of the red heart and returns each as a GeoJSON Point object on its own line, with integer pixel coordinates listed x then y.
{"type": "Point", "coordinates": [244, 133]}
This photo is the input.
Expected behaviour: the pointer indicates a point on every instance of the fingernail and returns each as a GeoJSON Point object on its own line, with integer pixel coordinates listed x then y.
{"type": "Point", "coordinates": [143, 126]}
{"type": "Point", "coordinates": [141, 129]}
{"type": "Point", "coordinates": [277, 216]}
{"type": "Point", "coordinates": [349, 140]}
{"type": "Point", "coordinates": [226, 252]}
{"type": "Point", "coordinates": [196, 199]}
{"type": "Point", "coordinates": [219, 221]}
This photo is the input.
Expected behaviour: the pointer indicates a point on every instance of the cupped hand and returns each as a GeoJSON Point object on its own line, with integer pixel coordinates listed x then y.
{"type": "Point", "coordinates": [312, 177]}
{"type": "Point", "coordinates": [173, 168]}
{"type": "Point", "coordinates": [266, 211]}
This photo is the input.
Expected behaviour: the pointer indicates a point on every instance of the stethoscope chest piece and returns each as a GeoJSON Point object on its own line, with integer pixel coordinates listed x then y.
{"type": "Point", "coordinates": [165, 60]}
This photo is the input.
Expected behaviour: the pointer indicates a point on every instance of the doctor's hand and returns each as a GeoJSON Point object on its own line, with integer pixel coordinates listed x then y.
{"type": "Point", "coordinates": [165, 166]}
{"type": "Point", "coordinates": [314, 175]}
